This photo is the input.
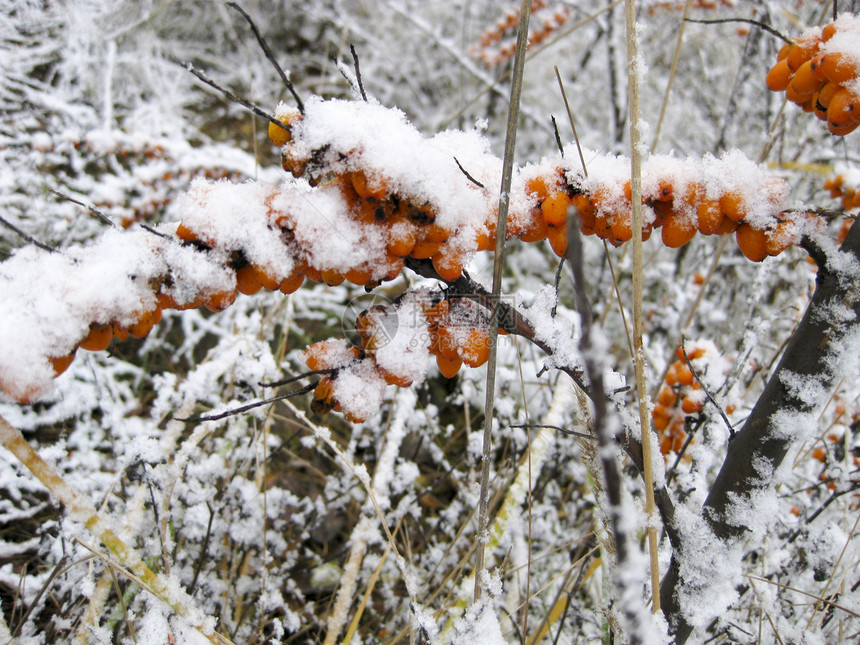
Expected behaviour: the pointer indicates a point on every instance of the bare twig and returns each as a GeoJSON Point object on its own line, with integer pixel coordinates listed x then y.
{"type": "Point", "coordinates": [757, 23]}
{"type": "Point", "coordinates": [92, 209]}
{"type": "Point", "coordinates": [29, 238]}
{"type": "Point", "coordinates": [251, 406]}
{"type": "Point", "coordinates": [358, 72]}
{"type": "Point", "coordinates": [233, 96]}
{"type": "Point", "coordinates": [268, 52]}
{"type": "Point", "coordinates": [498, 264]}
{"type": "Point", "coordinates": [468, 176]}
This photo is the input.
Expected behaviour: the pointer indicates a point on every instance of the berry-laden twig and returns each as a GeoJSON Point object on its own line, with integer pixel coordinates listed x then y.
{"type": "Point", "coordinates": [371, 218]}
{"type": "Point", "coordinates": [818, 72]}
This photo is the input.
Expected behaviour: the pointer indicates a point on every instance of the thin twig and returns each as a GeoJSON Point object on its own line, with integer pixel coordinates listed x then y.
{"type": "Point", "coordinates": [572, 433]}
{"type": "Point", "coordinates": [233, 96]}
{"type": "Point", "coordinates": [638, 349]}
{"type": "Point", "coordinates": [673, 69]}
{"type": "Point", "coordinates": [570, 118]}
{"type": "Point", "coordinates": [757, 23]}
{"type": "Point", "coordinates": [298, 377]}
{"type": "Point", "coordinates": [468, 176]}
{"type": "Point", "coordinates": [29, 238]}
{"type": "Point", "coordinates": [92, 209]}
{"type": "Point", "coordinates": [707, 393]}
{"type": "Point", "coordinates": [56, 572]}
{"type": "Point", "coordinates": [504, 202]}
{"type": "Point", "coordinates": [268, 52]}
{"type": "Point", "coordinates": [251, 406]}
{"type": "Point", "coordinates": [557, 136]}
{"type": "Point", "coordinates": [358, 72]}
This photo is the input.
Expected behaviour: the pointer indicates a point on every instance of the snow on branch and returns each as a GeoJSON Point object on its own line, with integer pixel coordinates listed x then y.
{"type": "Point", "coordinates": [369, 192]}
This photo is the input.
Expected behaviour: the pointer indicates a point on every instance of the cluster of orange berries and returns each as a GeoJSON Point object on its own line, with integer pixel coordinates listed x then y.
{"type": "Point", "coordinates": [849, 195]}
{"type": "Point", "coordinates": [679, 215]}
{"type": "Point", "coordinates": [818, 80]}
{"type": "Point", "coordinates": [493, 49]}
{"type": "Point", "coordinates": [457, 334]}
{"type": "Point", "coordinates": [695, 4]}
{"type": "Point", "coordinates": [680, 397]}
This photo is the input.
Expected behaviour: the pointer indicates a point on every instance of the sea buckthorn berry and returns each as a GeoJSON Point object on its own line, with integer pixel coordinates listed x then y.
{"type": "Point", "coordinates": [145, 322]}
{"type": "Point", "coordinates": [843, 110]}
{"type": "Point", "coordinates": [323, 402]}
{"type": "Point", "coordinates": [332, 277]}
{"type": "Point", "coordinates": [448, 264]}
{"type": "Point", "coordinates": [800, 98]}
{"type": "Point", "coordinates": [358, 276]}
{"type": "Point", "coordinates": [779, 238]}
{"type": "Point", "coordinates": [424, 249]}
{"type": "Point", "coordinates": [476, 350]}
{"type": "Point", "coordinates": [402, 238]}
{"type": "Point", "coordinates": [685, 374]}
{"type": "Point", "coordinates": [393, 379]}
{"type": "Point", "coordinates": [692, 404]}
{"type": "Point", "coordinates": [534, 231]}
{"type": "Point", "coordinates": [370, 188]}
{"type": "Point", "coordinates": [816, 68]}
{"type": "Point", "coordinates": [783, 51]}
{"type": "Point", "coordinates": [447, 367]}
{"type": "Point", "coordinates": [667, 397]}
{"type": "Point", "coordinates": [557, 237]}
{"type": "Point", "coordinates": [98, 339]}
{"type": "Point", "coordinates": [820, 454]}
{"type": "Point", "coordinates": [677, 230]}
{"type": "Point", "coordinates": [61, 363]}
{"type": "Point", "coordinates": [709, 216]}
{"type": "Point", "coordinates": [838, 68]}
{"type": "Point", "coordinates": [554, 208]}
{"type": "Point", "coordinates": [778, 77]}
{"type": "Point", "coordinates": [665, 192]}
{"type": "Point", "coordinates": [220, 300]}
{"type": "Point", "coordinates": [247, 282]}
{"type": "Point", "coordinates": [538, 187]}
{"type": "Point", "coordinates": [292, 283]}
{"type": "Point", "coordinates": [622, 228]}
{"type": "Point", "coordinates": [801, 51]}
{"type": "Point", "coordinates": [185, 234]}
{"type": "Point", "coordinates": [585, 210]}
{"type": "Point", "coordinates": [732, 205]}
{"type": "Point", "coordinates": [278, 135]}
{"type": "Point", "coordinates": [804, 81]}
{"type": "Point", "coordinates": [752, 242]}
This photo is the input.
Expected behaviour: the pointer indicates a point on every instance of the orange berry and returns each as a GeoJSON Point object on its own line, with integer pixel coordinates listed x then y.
{"type": "Point", "coordinates": [98, 339]}
{"type": "Point", "coordinates": [61, 363]}
{"type": "Point", "coordinates": [828, 31]}
{"type": "Point", "coordinates": [622, 228]}
{"type": "Point", "coordinates": [557, 237]}
{"type": "Point", "coordinates": [448, 264]}
{"type": "Point", "coordinates": [804, 80]}
{"type": "Point", "coordinates": [838, 68]}
{"type": "Point", "coordinates": [778, 77]}
{"type": "Point", "coordinates": [783, 51]}
{"type": "Point", "coordinates": [693, 354]}
{"type": "Point", "coordinates": [447, 367]}
{"type": "Point", "coordinates": [534, 231]}
{"type": "Point", "coordinates": [843, 130]}
{"type": "Point", "coordinates": [371, 189]}
{"type": "Point", "coordinates": [665, 192]}
{"type": "Point", "coordinates": [185, 234]}
{"type": "Point", "coordinates": [843, 110]}
{"type": "Point", "coordinates": [220, 300]}
{"type": "Point", "coordinates": [538, 187]}
{"type": "Point", "coordinates": [424, 249]}
{"type": "Point", "coordinates": [359, 276]}
{"type": "Point", "coordinates": [393, 379]}
{"type": "Point", "coordinates": [672, 374]}
{"type": "Point", "coordinates": [247, 282]}
{"type": "Point", "coordinates": [145, 322]}
{"type": "Point", "coordinates": [801, 51]}
{"type": "Point", "coordinates": [820, 454]}
{"type": "Point", "coordinates": [585, 210]}
{"type": "Point", "coordinates": [685, 374]}
{"type": "Point", "coordinates": [402, 238]}
{"type": "Point", "coordinates": [677, 230]}
{"type": "Point", "coordinates": [709, 216]}
{"type": "Point", "coordinates": [476, 349]}
{"type": "Point", "coordinates": [691, 405]}
{"type": "Point", "coordinates": [292, 283]}
{"type": "Point", "coordinates": [733, 206]}
{"type": "Point", "coordinates": [554, 208]}
{"type": "Point", "coordinates": [667, 397]}
{"type": "Point", "coordinates": [332, 277]}
{"type": "Point", "coordinates": [730, 408]}
{"type": "Point", "coordinates": [435, 233]}
{"type": "Point", "coordinates": [752, 242]}
{"type": "Point", "coordinates": [678, 440]}
{"type": "Point", "coordinates": [779, 238]}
